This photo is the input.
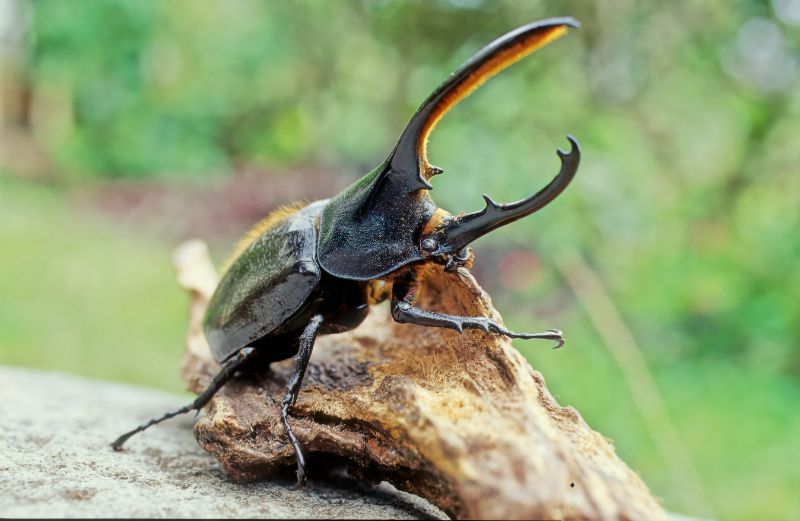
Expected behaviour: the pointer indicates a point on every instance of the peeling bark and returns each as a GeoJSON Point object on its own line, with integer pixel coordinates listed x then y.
{"type": "Point", "coordinates": [459, 419]}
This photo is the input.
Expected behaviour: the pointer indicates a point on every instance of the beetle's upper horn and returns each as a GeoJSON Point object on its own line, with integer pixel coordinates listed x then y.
{"type": "Point", "coordinates": [411, 150]}
{"type": "Point", "coordinates": [457, 232]}
{"type": "Point", "coordinates": [373, 227]}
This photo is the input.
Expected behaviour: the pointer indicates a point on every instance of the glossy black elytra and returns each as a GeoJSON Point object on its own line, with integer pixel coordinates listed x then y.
{"type": "Point", "coordinates": [315, 269]}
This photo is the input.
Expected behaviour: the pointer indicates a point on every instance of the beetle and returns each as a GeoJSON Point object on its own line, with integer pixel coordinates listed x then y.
{"type": "Point", "coordinates": [316, 268]}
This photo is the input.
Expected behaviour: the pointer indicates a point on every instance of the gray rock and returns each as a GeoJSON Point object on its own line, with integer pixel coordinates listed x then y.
{"type": "Point", "coordinates": [55, 461]}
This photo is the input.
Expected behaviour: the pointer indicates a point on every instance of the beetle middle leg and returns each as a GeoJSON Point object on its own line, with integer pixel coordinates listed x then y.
{"type": "Point", "coordinates": [405, 312]}
{"type": "Point", "coordinates": [293, 388]}
{"type": "Point", "coordinates": [225, 373]}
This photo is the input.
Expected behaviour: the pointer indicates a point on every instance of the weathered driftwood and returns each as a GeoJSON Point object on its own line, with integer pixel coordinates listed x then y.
{"type": "Point", "coordinates": [461, 420]}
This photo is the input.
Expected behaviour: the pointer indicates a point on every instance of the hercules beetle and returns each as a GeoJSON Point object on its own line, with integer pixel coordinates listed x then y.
{"type": "Point", "coordinates": [315, 269]}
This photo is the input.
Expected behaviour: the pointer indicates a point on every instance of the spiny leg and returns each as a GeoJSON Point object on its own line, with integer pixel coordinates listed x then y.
{"type": "Point", "coordinates": [225, 373]}
{"type": "Point", "coordinates": [405, 312]}
{"type": "Point", "coordinates": [293, 388]}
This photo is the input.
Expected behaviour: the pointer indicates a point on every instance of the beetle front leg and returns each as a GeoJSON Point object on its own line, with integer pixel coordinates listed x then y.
{"type": "Point", "coordinates": [293, 388]}
{"type": "Point", "coordinates": [405, 312]}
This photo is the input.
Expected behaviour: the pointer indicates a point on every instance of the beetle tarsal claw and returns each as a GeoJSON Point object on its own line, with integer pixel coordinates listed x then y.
{"type": "Point", "coordinates": [550, 334]}
{"type": "Point", "coordinates": [301, 480]}
{"type": "Point", "coordinates": [558, 337]}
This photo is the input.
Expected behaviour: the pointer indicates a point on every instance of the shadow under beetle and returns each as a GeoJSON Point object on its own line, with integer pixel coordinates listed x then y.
{"type": "Point", "coordinates": [315, 269]}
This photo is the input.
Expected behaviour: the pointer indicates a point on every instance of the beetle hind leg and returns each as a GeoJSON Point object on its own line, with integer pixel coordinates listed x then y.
{"type": "Point", "coordinates": [293, 388]}
{"type": "Point", "coordinates": [224, 374]}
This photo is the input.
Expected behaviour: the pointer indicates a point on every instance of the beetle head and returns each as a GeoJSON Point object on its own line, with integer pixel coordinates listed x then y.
{"type": "Point", "coordinates": [387, 219]}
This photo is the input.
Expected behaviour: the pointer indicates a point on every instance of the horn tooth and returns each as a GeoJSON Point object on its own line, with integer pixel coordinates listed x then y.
{"type": "Point", "coordinates": [491, 204]}
{"type": "Point", "coordinates": [420, 183]}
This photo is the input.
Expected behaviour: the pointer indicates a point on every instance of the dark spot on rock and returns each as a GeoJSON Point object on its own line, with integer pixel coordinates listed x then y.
{"type": "Point", "coordinates": [342, 375]}
{"type": "Point", "coordinates": [79, 494]}
{"type": "Point", "coordinates": [469, 385]}
{"type": "Point", "coordinates": [501, 363]}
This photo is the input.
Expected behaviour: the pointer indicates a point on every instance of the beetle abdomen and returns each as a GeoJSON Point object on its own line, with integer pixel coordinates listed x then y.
{"type": "Point", "coordinates": [268, 282]}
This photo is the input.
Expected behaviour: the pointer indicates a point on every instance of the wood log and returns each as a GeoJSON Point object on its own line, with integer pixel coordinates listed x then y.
{"type": "Point", "coordinates": [459, 419]}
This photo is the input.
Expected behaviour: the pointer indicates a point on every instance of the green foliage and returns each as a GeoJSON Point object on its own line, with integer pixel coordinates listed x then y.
{"type": "Point", "coordinates": [79, 296]}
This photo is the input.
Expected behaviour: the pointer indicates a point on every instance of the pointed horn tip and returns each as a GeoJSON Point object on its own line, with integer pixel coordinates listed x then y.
{"type": "Point", "coordinates": [575, 147]}
{"type": "Point", "coordinates": [559, 21]}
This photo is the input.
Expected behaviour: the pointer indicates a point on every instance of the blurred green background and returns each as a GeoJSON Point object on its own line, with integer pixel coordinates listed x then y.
{"type": "Point", "coordinates": [672, 262]}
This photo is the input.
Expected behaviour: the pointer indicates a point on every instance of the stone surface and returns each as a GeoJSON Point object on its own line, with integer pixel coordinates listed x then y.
{"type": "Point", "coordinates": [55, 461]}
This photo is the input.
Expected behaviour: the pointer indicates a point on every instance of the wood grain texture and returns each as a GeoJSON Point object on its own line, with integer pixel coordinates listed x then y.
{"type": "Point", "coordinates": [459, 419]}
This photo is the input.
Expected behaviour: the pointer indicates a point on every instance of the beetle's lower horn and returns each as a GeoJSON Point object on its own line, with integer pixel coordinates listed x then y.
{"type": "Point", "coordinates": [460, 231]}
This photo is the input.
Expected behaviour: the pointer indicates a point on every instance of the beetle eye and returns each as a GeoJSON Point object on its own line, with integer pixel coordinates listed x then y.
{"type": "Point", "coordinates": [429, 244]}
{"type": "Point", "coordinates": [463, 254]}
